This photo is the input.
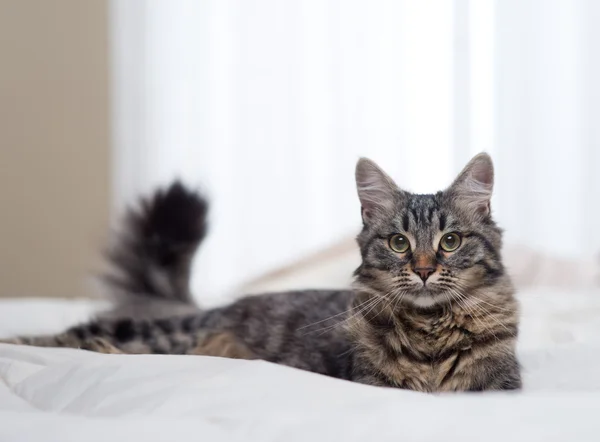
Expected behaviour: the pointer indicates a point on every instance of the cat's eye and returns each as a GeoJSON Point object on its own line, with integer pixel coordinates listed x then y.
{"type": "Point", "coordinates": [399, 243]}
{"type": "Point", "coordinates": [450, 242]}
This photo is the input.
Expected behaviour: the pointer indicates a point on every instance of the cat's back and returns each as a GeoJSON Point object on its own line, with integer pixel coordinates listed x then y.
{"type": "Point", "coordinates": [304, 306]}
{"type": "Point", "coordinates": [303, 329]}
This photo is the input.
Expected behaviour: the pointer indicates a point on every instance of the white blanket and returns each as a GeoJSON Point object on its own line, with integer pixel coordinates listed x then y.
{"type": "Point", "coordinates": [71, 395]}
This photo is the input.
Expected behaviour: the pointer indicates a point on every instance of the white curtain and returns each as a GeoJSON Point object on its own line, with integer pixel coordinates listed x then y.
{"type": "Point", "coordinates": [547, 128]}
{"type": "Point", "coordinates": [269, 103]}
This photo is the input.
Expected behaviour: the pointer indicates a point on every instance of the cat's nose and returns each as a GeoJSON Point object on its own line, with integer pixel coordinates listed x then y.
{"type": "Point", "coordinates": [424, 272]}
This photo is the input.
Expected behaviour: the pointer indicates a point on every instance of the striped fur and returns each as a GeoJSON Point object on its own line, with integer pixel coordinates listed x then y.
{"type": "Point", "coordinates": [456, 330]}
{"type": "Point", "coordinates": [298, 329]}
{"type": "Point", "coordinates": [452, 328]}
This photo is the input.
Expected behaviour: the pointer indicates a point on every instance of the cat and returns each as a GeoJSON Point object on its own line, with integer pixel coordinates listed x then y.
{"type": "Point", "coordinates": [432, 308]}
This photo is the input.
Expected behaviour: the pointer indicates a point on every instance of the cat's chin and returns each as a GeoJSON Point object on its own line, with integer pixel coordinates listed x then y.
{"type": "Point", "coordinates": [426, 299]}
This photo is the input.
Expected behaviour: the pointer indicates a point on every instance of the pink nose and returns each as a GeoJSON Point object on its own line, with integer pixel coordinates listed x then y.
{"type": "Point", "coordinates": [424, 272]}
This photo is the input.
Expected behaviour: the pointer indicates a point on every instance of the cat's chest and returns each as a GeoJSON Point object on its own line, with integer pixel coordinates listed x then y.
{"type": "Point", "coordinates": [421, 352]}
{"type": "Point", "coordinates": [430, 337]}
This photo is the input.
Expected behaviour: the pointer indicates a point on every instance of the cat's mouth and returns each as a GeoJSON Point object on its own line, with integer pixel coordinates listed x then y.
{"type": "Point", "coordinates": [428, 287]}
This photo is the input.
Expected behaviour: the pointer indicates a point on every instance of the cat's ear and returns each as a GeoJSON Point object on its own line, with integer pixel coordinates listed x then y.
{"type": "Point", "coordinates": [376, 190]}
{"type": "Point", "coordinates": [473, 187]}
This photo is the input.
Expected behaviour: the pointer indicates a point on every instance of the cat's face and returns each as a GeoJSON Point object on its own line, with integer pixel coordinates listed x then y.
{"type": "Point", "coordinates": [428, 249]}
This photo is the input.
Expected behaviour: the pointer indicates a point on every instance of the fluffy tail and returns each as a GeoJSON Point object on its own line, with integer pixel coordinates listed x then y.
{"type": "Point", "coordinates": [152, 255]}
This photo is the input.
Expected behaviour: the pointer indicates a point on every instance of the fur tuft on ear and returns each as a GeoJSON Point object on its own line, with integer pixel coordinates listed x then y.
{"type": "Point", "coordinates": [473, 187]}
{"type": "Point", "coordinates": [376, 190]}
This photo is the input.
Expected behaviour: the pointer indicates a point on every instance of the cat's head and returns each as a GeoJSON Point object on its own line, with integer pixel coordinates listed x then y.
{"type": "Point", "coordinates": [427, 250]}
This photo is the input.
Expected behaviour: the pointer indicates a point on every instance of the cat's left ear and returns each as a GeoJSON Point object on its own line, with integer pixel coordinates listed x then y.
{"type": "Point", "coordinates": [473, 187]}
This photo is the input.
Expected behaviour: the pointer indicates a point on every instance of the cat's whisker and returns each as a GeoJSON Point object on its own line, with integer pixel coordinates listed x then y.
{"type": "Point", "coordinates": [333, 326]}
{"type": "Point", "coordinates": [395, 296]}
{"type": "Point", "coordinates": [486, 312]}
{"type": "Point", "coordinates": [492, 317]}
{"type": "Point", "coordinates": [369, 307]}
{"type": "Point", "coordinates": [401, 296]}
{"type": "Point", "coordinates": [335, 316]}
{"type": "Point", "coordinates": [483, 301]}
{"type": "Point", "coordinates": [364, 306]}
{"type": "Point", "coordinates": [466, 300]}
{"type": "Point", "coordinates": [461, 299]}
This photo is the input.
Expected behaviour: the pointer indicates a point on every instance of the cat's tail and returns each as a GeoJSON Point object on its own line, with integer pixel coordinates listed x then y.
{"type": "Point", "coordinates": [151, 255]}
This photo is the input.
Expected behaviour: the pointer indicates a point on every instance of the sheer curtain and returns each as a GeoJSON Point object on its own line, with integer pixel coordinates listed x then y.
{"type": "Point", "coordinates": [548, 123]}
{"type": "Point", "coordinates": [267, 105]}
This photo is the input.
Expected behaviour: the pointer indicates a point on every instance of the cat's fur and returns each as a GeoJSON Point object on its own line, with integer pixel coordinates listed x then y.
{"type": "Point", "coordinates": [453, 331]}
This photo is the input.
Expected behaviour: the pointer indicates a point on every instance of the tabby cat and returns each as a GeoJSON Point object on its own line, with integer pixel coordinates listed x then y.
{"type": "Point", "coordinates": [432, 308]}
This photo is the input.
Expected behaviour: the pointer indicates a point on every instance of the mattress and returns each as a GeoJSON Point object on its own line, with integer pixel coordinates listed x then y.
{"type": "Point", "coordinates": [74, 395]}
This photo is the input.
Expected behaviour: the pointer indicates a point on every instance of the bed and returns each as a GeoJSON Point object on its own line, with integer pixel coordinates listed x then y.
{"type": "Point", "coordinates": [74, 395]}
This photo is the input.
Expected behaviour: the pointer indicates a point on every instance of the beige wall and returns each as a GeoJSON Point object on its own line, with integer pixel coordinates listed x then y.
{"type": "Point", "coordinates": [54, 140]}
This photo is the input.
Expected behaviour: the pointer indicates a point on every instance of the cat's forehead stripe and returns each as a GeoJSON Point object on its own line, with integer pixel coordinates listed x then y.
{"type": "Point", "coordinates": [442, 221]}
{"type": "Point", "coordinates": [405, 222]}
{"type": "Point", "coordinates": [422, 209]}
{"type": "Point", "coordinates": [430, 214]}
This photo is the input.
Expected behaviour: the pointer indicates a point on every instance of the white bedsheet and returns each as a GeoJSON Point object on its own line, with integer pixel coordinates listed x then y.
{"type": "Point", "coordinates": [70, 395]}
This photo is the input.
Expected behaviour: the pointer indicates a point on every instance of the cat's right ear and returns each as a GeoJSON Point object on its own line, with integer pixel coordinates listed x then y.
{"type": "Point", "coordinates": [376, 190]}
